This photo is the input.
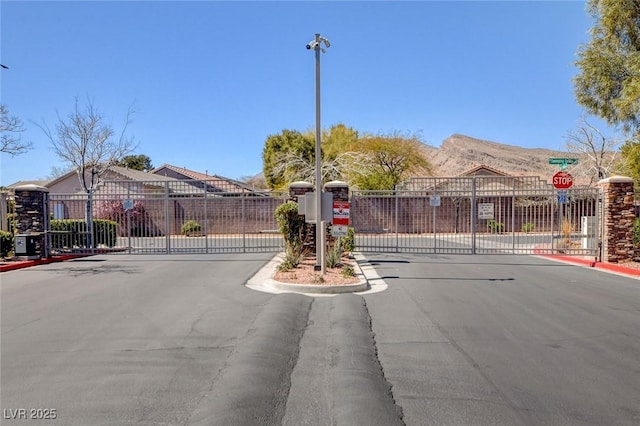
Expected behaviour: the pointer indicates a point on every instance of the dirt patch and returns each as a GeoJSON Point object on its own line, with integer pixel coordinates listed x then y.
{"type": "Point", "coordinates": [305, 274]}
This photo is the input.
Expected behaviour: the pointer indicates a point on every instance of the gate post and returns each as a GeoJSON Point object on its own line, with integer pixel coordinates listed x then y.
{"type": "Point", "coordinates": [618, 218]}
{"type": "Point", "coordinates": [32, 221]}
{"type": "Point", "coordinates": [340, 191]}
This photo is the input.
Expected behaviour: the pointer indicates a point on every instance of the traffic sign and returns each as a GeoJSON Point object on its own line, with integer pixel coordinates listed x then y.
{"type": "Point", "coordinates": [562, 180]}
{"type": "Point", "coordinates": [563, 162]}
{"type": "Point", "coordinates": [562, 196]}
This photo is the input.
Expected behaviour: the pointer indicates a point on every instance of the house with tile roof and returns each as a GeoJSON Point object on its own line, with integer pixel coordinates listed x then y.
{"type": "Point", "coordinates": [212, 183]}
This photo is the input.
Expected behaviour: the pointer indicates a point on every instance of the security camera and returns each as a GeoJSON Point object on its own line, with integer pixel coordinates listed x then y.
{"type": "Point", "coordinates": [326, 42]}
{"type": "Point", "coordinates": [309, 46]}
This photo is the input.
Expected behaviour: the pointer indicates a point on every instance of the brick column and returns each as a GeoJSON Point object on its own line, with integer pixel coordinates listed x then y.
{"type": "Point", "coordinates": [299, 188]}
{"type": "Point", "coordinates": [619, 214]}
{"type": "Point", "coordinates": [32, 216]}
{"type": "Point", "coordinates": [339, 189]}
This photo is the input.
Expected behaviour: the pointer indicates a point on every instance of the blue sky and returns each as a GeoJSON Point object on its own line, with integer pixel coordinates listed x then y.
{"type": "Point", "coordinates": [211, 80]}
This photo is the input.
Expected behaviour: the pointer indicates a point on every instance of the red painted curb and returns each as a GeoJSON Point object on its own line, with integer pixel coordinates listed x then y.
{"type": "Point", "coordinates": [27, 263]}
{"type": "Point", "coordinates": [613, 267]}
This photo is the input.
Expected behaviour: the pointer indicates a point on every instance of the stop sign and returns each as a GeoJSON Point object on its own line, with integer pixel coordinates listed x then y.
{"type": "Point", "coordinates": [562, 180]}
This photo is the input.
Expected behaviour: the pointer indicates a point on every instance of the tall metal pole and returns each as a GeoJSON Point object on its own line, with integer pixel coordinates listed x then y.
{"type": "Point", "coordinates": [320, 264]}
{"type": "Point", "coordinates": [319, 230]}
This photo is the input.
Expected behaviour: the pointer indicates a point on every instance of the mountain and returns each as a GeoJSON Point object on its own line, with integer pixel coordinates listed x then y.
{"type": "Point", "coordinates": [459, 153]}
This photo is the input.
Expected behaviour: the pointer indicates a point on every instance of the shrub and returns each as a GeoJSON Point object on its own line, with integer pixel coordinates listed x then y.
{"type": "Point", "coordinates": [348, 271]}
{"type": "Point", "coordinates": [334, 255]}
{"type": "Point", "coordinates": [566, 229]}
{"type": "Point", "coordinates": [349, 242]}
{"type": "Point", "coordinates": [527, 227]}
{"type": "Point", "coordinates": [293, 256]}
{"type": "Point", "coordinates": [6, 243]}
{"type": "Point", "coordinates": [636, 235]}
{"type": "Point", "coordinates": [494, 226]}
{"type": "Point", "coordinates": [290, 223]}
{"type": "Point", "coordinates": [72, 233]}
{"type": "Point", "coordinates": [191, 228]}
{"type": "Point", "coordinates": [137, 217]}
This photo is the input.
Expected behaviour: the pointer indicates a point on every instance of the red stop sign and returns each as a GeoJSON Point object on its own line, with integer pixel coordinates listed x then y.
{"type": "Point", "coordinates": [562, 180]}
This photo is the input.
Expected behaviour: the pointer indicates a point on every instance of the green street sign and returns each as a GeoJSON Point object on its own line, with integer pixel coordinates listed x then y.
{"type": "Point", "coordinates": [563, 162]}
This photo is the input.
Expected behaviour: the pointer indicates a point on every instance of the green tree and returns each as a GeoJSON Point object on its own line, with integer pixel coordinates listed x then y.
{"type": "Point", "coordinates": [278, 172]}
{"type": "Point", "coordinates": [630, 152]}
{"type": "Point", "coordinates": [383, 161]}
{"type": "Point", "coordinates": [608, 83]}
{"type": "Point", "coordinates": [136, 162]}
{"type": "Point", "coordinates": [338, 140]}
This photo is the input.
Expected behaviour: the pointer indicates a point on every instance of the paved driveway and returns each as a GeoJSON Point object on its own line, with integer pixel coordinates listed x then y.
{"type": "Point", "coordinates": [454, 340]}
{"type": "Point", "coordinates": [507, 340]}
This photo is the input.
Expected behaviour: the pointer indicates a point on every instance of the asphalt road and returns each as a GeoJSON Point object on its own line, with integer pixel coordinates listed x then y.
{"type": "Point", "coordinates": [179, 340]}
{"type": "Point", "coordinates": [506, 340]}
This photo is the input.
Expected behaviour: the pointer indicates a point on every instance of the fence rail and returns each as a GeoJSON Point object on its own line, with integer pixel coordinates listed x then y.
{"type": "Point", "coordinates": [169, 217]}
{"type": "Point", "coordinates": [478, 215]}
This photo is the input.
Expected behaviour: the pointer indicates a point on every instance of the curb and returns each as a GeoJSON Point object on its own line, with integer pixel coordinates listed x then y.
{"type": "Point", "coordinates": [317, 288]}
{"type": "Point", "coordinates": [12, 266]}
{"type": "Point", "coordinates": [262, 281]}
{"type": "Point", "coordinates": [609, 267]}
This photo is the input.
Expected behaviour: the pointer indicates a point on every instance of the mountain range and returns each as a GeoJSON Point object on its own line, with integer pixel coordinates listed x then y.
{"type": "Point", "coordinates": [459, 153]}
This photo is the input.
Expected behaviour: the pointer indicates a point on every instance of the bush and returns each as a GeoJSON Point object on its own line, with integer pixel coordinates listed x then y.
{"type": "Point", "coordinates": [6, 243]}
{"type": "Point", "coordinates": [69, 233]}
{"type": "Point", "coordinates": [292, 259]}
{"type": "Point", "coordinates": [636, 235]}
{"type": "Point", "coordinates": [528, 227]}
{"type": "Point", "coordinates": [290, 223]}
{"type": "Point", "coordinates": [334, 255]}
{"type": "Point", "coordinates": [348, 271]}
{"type": "Point", "coordinates": [291, 226]}
{"type": "Point", "coordinates": [136, 218]}
{"type": "Point", "coordinates": [495, 227]}
{"type": "Point", "coordinates": [349, 242]}
{"type": "Point", "coordinates": [191, 228]}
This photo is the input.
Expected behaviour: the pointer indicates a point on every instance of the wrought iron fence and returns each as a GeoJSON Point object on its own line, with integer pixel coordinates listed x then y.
{"type": "Point", "coordinates": [166, 217]}
{"type": "Point", "coordinates": [482, 214]}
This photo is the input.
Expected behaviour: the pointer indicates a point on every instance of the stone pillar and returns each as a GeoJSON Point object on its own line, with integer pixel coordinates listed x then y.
{"type": "Point", "coordinates": [32, 216]}
{"type": "Point", "coordinates": [299, 188]}
{"type": "Point", "coordinates": [619, 214]}
{"type": "Point", "coordinates": [339, 189]}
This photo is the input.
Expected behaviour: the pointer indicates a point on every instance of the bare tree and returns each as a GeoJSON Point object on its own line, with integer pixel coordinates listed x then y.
{"type": "Point", "coordinates": [88, 144]}
{"type": "Point", "coordinates": [10, 128]}
{"type": "Point", "coordinates": [597, 152]}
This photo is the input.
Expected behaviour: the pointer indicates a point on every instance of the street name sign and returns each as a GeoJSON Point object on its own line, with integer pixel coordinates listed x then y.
{"type": "Point", "coordinates": [563, 162]}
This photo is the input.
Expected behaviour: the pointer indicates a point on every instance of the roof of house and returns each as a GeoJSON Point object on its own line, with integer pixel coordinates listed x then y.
{"type": "Point", "coordinates": [215, 183]}
{"type": "Point", "coordinates": [478, 170]}
{"type": "Point", "coordinates": [29, 182]}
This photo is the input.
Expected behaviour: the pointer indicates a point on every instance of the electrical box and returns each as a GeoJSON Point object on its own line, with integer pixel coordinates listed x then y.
{"type": "Point", "coordinates": [25, 245]}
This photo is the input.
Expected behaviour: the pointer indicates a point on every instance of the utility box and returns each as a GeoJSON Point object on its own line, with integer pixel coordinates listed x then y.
{"type": "Point", "coordinates": [26, 245]}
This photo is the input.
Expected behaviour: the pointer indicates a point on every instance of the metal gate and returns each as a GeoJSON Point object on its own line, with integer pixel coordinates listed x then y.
{"type": "Point", "coordinates": [168, 217]}
{"type": "Point", "coordinates": [478, 215]}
